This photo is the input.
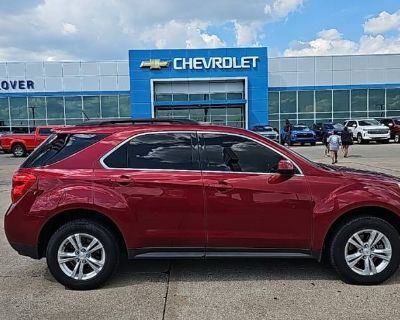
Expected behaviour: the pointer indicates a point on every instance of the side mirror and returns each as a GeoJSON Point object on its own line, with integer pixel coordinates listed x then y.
{"type": "Point", "coordinates": [285, 167]}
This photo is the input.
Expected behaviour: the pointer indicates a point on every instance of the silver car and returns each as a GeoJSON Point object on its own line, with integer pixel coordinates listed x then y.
{"type": "Point", "coordinates": [266, 131]}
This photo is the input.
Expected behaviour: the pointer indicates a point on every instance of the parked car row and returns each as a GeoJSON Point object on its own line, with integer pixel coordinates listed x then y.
{"type": "Point", "coordinates": [363, 130]}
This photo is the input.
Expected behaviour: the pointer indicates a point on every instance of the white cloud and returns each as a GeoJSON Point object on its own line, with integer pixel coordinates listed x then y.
{"type": "Point", "coordinates": [278, 9]}
{"type": "Point", "coordinates": [247, 34]}
{"type": "Point", "coordinates": [331, 42]}
{"type": "Point", "coordinates": [328, 42]}
{"type": "Point", "coordinates": [176, 34]}
{"type": "Point", "coordinates": [103, 29]}
{"type": "Point", "coordinates": [68, 28]}
{"type": "Point", "coordinates": [383, 22]}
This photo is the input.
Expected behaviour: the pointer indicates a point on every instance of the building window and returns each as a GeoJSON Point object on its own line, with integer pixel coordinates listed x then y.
{"type": "Point", "coordinates": [73, 108]}
{"type": "Point", "coordinates": [288, 102]}
{"type": "Point", "coordinates": [376, 107]}
{"type": "Point", "coordinates": [359, 100]}
{"type": "Point", "coordinates": [341, 101]}
{"type": "Point", "coordinates": [273, 103]}
{"type": "Point", "coordinates": [109, 106]}
{"type": "Point", "coordinates": [163, 97]}
{"type": "Point", "coordinates": [4, 113]}
{"type": "Point", "coordinates": [234, 95]}
{"type": "Point", "coordinates": [91, 106]}
{"type": "Point", "coordinates": [218, 96]}
{"type": "Point", "coordinates": [55, 109]}
{"type": "Point", "coordinates": [306, 101]}
{"type": "Point", "coordinates": [393, 99]}
{"type": "Point", "coordinates": [180, 97]}
{"type": "Point", "coordinates": [198, 97]}
{"type": "Point", "coordinates": [124, 106]}
{"type": "Point", "coordinates": [323, 105]}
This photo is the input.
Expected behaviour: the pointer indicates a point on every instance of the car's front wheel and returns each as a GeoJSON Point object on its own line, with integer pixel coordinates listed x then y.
{"type": "Point", "coordinates": [366, 250]}
{"type": "Point", "coordinates": [397, 138]}
{"type": "Point", "coordinates": [82, 254]}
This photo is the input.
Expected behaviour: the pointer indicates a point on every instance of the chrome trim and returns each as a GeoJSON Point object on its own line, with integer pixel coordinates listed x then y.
{"type": "Point", "coordinates": [207, 171]}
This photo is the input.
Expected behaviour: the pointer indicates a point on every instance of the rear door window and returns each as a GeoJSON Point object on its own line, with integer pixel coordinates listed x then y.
{"type": "Point", "coordinates": [60, 146]}
{"type": "Point", "coordinates": [164, 151]}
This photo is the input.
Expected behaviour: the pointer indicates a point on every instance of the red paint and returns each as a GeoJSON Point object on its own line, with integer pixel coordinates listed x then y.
{"type": "Point", "coordinates": [197, 209]}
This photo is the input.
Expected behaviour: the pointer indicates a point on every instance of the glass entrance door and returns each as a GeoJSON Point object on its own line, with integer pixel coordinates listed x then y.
{"type": "Point", "coordinates": [230, 115]}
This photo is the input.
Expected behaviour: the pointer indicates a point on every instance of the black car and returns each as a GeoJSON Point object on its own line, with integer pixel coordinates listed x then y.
{"type": "Point", "coordinates": [324, 130]}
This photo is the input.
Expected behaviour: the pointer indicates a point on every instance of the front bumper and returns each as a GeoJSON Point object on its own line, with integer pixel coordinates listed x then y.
{"type": "Point", "coordinates": [303, 140]}
{"type": "Point", "coordinates": [373, 137]}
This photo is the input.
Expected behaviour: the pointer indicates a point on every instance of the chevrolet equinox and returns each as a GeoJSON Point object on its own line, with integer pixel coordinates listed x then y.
{"type": "Point", "coordinates": [176, 188]}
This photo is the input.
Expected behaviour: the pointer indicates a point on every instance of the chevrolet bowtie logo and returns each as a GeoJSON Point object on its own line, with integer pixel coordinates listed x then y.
{"type": "Point", "coordinates": [154, 64]}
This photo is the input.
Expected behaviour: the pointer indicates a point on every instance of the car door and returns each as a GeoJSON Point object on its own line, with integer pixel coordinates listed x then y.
{"type": "Point", "coordinates": [158, 175]}
{"type": "Point", "coordinates": [248, 204]}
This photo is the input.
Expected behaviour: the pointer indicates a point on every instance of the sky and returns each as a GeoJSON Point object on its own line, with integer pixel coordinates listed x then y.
{"type": "Point", "coordinates": [49, 30]}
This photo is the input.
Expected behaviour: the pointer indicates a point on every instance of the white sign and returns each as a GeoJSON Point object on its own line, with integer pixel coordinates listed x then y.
{"type": "Point", "coordinates": [216, 63]}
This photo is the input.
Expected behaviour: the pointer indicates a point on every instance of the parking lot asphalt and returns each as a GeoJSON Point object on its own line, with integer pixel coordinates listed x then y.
{"type": "Point", "coordinates": [201, 289]}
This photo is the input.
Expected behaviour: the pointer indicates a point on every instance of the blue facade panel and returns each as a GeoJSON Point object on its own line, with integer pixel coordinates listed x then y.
{"type": "Point", "coordinates": [254, 71]}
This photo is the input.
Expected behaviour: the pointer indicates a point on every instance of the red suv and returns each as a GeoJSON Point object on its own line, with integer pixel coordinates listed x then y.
{"type": "Point", "coordinates": [178, 189]}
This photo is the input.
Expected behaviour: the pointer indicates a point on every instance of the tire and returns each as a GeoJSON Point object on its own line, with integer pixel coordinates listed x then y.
{"type": "Point", "coordinates": [313, 143]}
{"type": "Point", "coordinates": [106, 257]}
{"type": "Point", "coordinates": [397, 138]}
{"type": "Point", "coordinates": [385, 141]}
{"type": "Point", "coordinates": [303, 143]}
{"type": "Point", "coordinates": [360, 140]}
{"type": "Point", "coordinates": [341, 247]}
{"type": "Point", "coordinates": [18, 150]}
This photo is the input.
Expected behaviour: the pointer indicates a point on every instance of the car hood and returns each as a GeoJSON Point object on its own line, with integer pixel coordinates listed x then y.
{"type": "Point", "coordinates": [361, 174]}
{"type": "Point", "coordinates": [303, 131]}
{"type": "Point", "coordinates": [374, 127]}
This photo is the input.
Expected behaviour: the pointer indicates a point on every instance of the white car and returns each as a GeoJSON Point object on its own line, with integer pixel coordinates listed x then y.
{"type": "Point", "coordinates": [266, 131]}
{"type": "Point", "coordinates": [365, 130]}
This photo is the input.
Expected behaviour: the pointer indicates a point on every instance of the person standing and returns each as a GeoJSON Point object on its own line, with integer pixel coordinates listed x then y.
{"type": "Point", "coordinates": [334, 142]}
{"type": "Point", "coordinates": [347, 141]}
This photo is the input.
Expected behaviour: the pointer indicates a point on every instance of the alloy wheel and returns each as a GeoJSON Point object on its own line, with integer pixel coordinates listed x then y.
{"type": "Point", "coordinates": [368, 252]}
{"type": "Point", "coordinates": [18, 151]}
{"type": "Point", "coordinates": [81, 256]}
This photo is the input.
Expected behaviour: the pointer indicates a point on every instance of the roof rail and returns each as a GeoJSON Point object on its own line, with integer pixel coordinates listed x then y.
{"type": "Point", "coordinates": [116, 121]}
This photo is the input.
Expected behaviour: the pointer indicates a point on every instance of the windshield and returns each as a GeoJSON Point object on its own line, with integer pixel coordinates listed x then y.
{"type": "Point", "coordinates": [370, 122]}
{"type": "Point", "coordinates": [328, 125]}
{"type": "Point", "coordinates": [299, 128]}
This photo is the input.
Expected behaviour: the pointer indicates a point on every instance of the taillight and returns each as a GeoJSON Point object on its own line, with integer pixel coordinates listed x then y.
{"type": "Point", "coordinates": [21, 183]}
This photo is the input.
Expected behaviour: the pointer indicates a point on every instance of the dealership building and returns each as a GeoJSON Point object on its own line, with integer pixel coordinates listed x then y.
{"type": "Point", "coordinates": [239, 87]}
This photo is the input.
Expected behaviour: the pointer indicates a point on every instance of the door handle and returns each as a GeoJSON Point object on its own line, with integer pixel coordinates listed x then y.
{"type": "Point", "coordinates": [122, 180]}
{"type": "Point", "coordinates": [222, 186]}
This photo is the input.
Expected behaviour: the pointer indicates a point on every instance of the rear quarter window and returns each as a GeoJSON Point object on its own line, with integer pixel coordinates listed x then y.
{"type": "Point", "coordinates": [60, 146]}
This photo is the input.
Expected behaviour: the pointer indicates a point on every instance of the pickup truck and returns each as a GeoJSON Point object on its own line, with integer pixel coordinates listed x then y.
{"type": "Point", "coordinates": [21, 144]}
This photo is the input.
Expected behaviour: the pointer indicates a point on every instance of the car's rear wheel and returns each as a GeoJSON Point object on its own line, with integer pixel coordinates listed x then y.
{"type": "Point", "coordinates": [365, 251]}
{"type": "Point", "coordinates": [397, 138]}
{"type": "Point", "coordinates": [82, 254]}
{"type": "Point", "coordinates": [18, 150]}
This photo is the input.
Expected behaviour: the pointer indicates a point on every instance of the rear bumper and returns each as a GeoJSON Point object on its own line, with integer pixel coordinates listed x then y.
{"type": "Point", "coordinates": [26, 250]}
